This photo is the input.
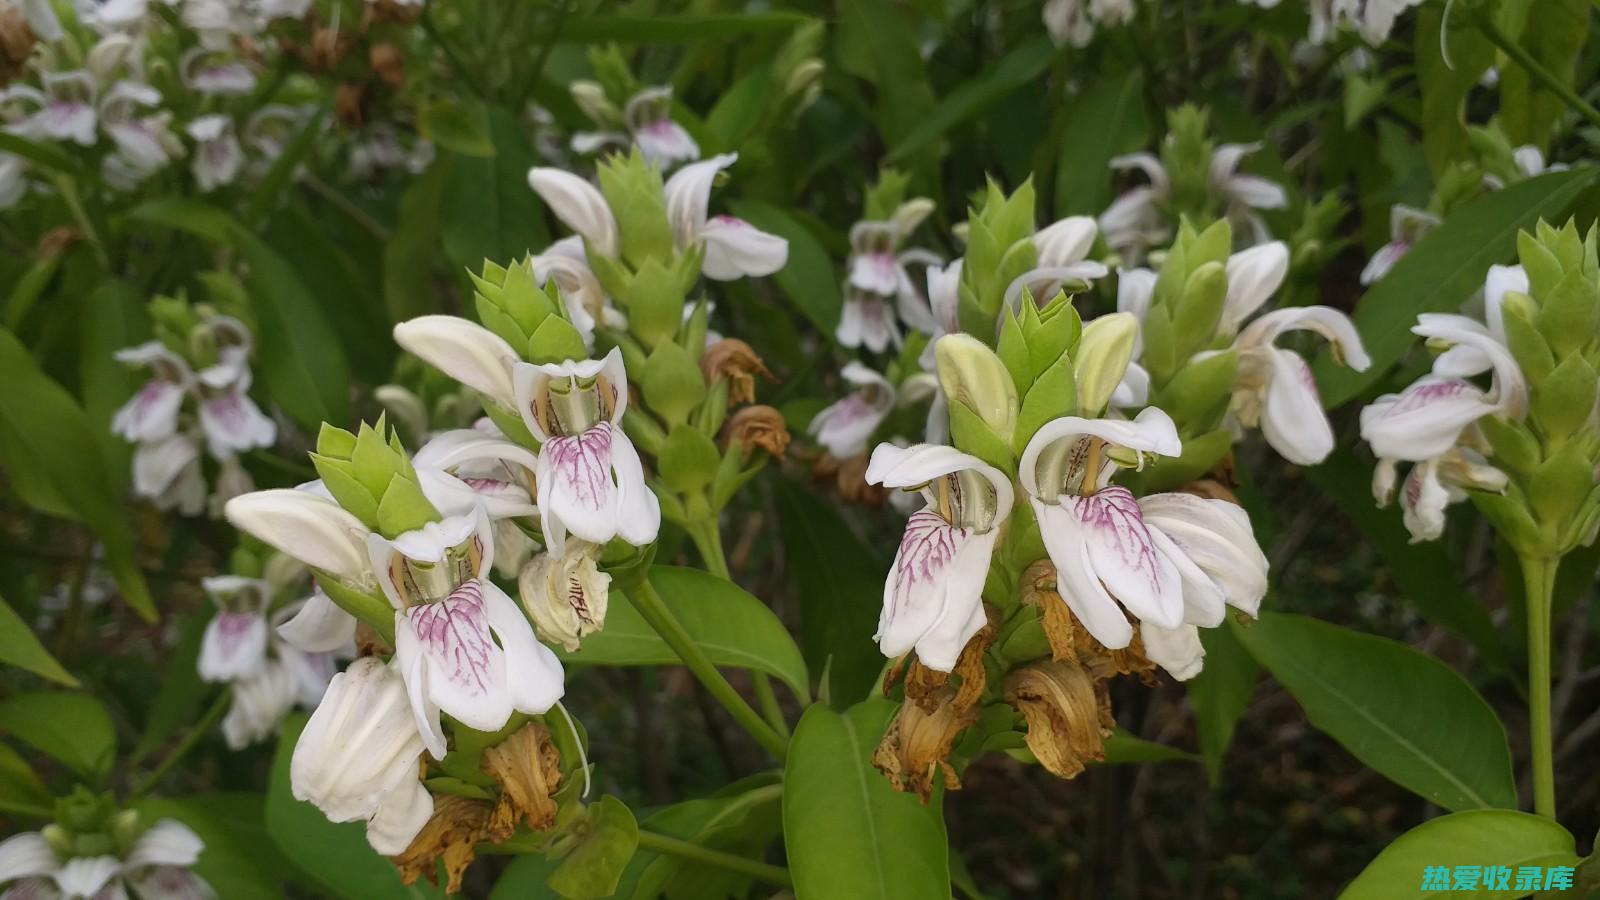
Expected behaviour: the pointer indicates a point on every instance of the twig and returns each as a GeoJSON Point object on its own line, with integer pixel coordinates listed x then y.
{"type": "Point", "coordinates": [189, 742]}
{"type": "Point", "coordinates": [661, 843]}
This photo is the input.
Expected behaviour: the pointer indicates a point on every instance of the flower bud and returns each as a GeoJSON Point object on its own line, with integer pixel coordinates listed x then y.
{"type": "Point", "coordinates": [976, 380]}
{"type": "Point", "coordinates": [1103, 355]}
{"type": "Point", "coordinates": [634, 192]}
{"type": "Point", "coordinates": [510, 302]}
{"type": "Point", "coordinates": [591, 98]}
{"type": "Point", "coordinates": [566, 598]}
{"type": "Point", "coordinates": [308, 527]}
{"type": "Point", "coordinates": [467, 352]}
{"type": "Point", "coordinates": [372, 478]}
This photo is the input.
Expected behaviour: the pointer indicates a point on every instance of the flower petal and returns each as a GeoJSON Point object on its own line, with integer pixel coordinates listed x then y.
{"type": "Point", "coordinates": [1083, 593]}
{"type": "Point", "coordinates": [1217, 537]}
{"type": "Point", "coordinates": [1423, 421]}
{"type": "Point", "coordinates": [1066, 241]}
{"type": "Point", "coordinates": [688, 197]}
{"type": "Point", "coordinates": [902, 467]}
{"type": "Point", "coordinates": [579, 205]}
{"type": "Point", "coordinates": [463, 670]}
{"type": "Point", "coordinates": [937, 578]}
{"type": "Point", "coordinates": [234, 646]}
{"type": "Point", "coordinates": [1151, 431]}
{"type": "Point", "coordinates": [1253, 276]}
{"type": "Point", "coordinates": [314, 530]}
{"type": "Point", "coordinates": [1122, 554]}
{"type": "Point", "coordinates": [1178, 650]}
{"type": "Point", "coordinates": [638, 509]}
{"type": "Point", "coordinates": [466, 351]}
{"type": "Point", "coordinates": [359, 743]}
{"type": "Point", "coordinates": [399, 818]}
{"type": "Point", "coordinates": [26, 854]}
{"type": "Point", "coordinates": [534, 676]}
{"type": "Point", "coordinates": [320, 626]}
{"type": "Point", "coordinates": [576, 491]}
{"type": "Point", "coordinates": [735, 249]}
{"type": "Point", "coordinates": [151, 414]}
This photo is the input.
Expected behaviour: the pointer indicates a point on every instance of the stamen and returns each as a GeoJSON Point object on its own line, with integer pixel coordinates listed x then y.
{"type": "Point", "coordinates": [583, 756]}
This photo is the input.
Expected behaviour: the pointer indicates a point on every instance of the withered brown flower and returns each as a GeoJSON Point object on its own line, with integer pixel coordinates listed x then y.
{"type": "Point", "coordinates": [925, 685]}
{"type": "Point", "coordinates": [1068, 713]}
{"type": "Point", "coordinates": [734, 360]}
{"type": "Point", "coordinates": [916, 748]}
{"type": "Point", "coordinates": [458, 824]}
{"type": "Point", "coordinates": [388, 62]}
{"type": "Point", "coordinates": [850, 478]}
{"type": "Point", "coordinates": [527, 766]}
{"type": "Point", "coordinates": [17, 41]}
{"type": "Point", "coordinates": [349, 99]}
{"type": "Point", "coordinates": [1069, 640]}
{"type": "Point", "coordinates": [754, 427]}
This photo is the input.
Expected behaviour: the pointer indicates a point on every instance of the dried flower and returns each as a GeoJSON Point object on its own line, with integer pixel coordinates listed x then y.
{"type": "Point", "coordinates": [755, 427]}
{"type": "Point", "coordinates": [1068, 713]}
{"type": "Point", "coordinates": [457, 825]}
{"type": "Point", "coordinates": [734, 360]}
{"type": "Point", "coordinates": [916, 748]}
{"type": "Point", "coordinates": [527, 766]}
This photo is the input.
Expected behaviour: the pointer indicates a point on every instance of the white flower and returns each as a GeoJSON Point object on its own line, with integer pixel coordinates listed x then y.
{"type": "Point", "coordinates": [1407, 225]}
{"type": "Point", "coordinates": [258, 704]}
{"type": "Point", "coordinates": [111, 15]}
{"type": "Point", "coordinates": [13, 180]}
{"type": "Point", "coordinates": [167, 472]}
{"type": "Point", "coordinates": [218, 157]}
{"type": "Point", "coordinates": [144, 144]}
{"type": "Point", "coordinates": [566, 595]}
{"type": "Point", "coordinates": [1105, 555]}
{"type": "Point", "coordinates": [582, 296]}
{"type": "Point", "coordinates": [879, 274]}
{"type": "Point", "coordinates": [1432, 485]}
{"type": "Point", "coordinates": [155, 868]}
{"type": "Point", "coordinates": [933, 598]}
{"type": "Point", "coordinates": [63, 110]}
{"type": "Point", "coordinates": [42, 20]}
{"type": "Point", "coordinates": [235, 642]}
{"type": "Point", "coordinates": [1138, 219]}
{"type": "Point", "coordinates": [356, 760]}
{"type": "Point", "coordinates": [845, 427]}
{"type": "Point", "coordinates": [1274, 388]}
{"type": "Point", "coordinates": [206, 72]}
{"type": "Point", "coordinates": [590, 480]}
{"type": "Point", "coordinates": [866, 320]}
{"type": "Point", "coordinates": [461, 644]}
{"type": "Point", "coordinates": [152, 413]}
{"type": "Point", "coordinates": [461, 468]}
{"type": "Point", "coordinates": [1427, 419]}
{"type": "Point", "coordinates": [466, 351]}
{"type": "Point", "coordinates": [317, 625]}
{"type": "Point", "coordinates": [232, 422]}
{"type": "Point", "coordinates": [648, 115]}
{"type": "Point", "coordinates": [734, 248]}
{"type": "Point", "coordinates": [1073, 21]}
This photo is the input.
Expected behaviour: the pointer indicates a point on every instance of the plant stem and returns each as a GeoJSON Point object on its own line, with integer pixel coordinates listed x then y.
{"type": "Point", "coordinates": [189, 742]}
{"type": "Point", "coordinates": [1536, 69]}
{"type": "Point", "coordinates": [661, 843]}
{"type": "Point", "coordinates": [655, 612]}
{"type": "Point", "coordinates": [1539, 581]}
{"type": "Point", "coordinates": [708, 541]}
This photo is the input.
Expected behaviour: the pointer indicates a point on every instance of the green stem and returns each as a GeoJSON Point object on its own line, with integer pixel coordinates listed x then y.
{"type": "Point", "coordinates": [650, 605]}
{"type": "Point", "coordinates": [708, 541]}
{"type": "Point", "coordinates": [1535, 69]}
{"type": "Point", "coordinates": [661, 843]}
{"type": "Point", "coordinates": [69, 194]}
{"type": "Point", "coordinates": [189, 742]}
{"type": "Point", "coordinates": [1539, 582]}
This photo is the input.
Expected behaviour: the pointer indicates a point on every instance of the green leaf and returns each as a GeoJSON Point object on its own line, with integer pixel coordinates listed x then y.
{"type": "Point", "coordinates": [593, 868]}
{"type": "Point", "coordinates": [1220, 694]}
{"type": "Point", "coordinates": [841, 579]}
{"type": "Point", "coordinates": [238, 860]}
{"type": "Point", "coordinates": [19, 647]}
{"type": "Point", "coordinates": [1426, 575]}
{"type": "Point", "coordinates": [45, 155]}
{"type": "Point", "coordinates": [19, 784]}
{"type": "Point", "coordinates": [487, 209]}
{"type": "Point", "coordinates": [1555, 37]}
{"type": "Point", "coordinates": [732, 627]}
{"type": "Point", "coordinates": [1442, 271]}
{"type": "Point", "coordinates": [115, 319]}
{"type": "Point", "coordinates": [460, 126]}
{"type": "Point", "coordinates": [72, 728]}
{"type": "Point", "coordinates": [808, 277]}
{"type": "Point", "coordinates": [336, 856]}
{"type": "Point", "coordinates": [270, 191]}
{"type": "Point", "coordinates": [409, 254]}
{"type": "Point", "coordinates": [1106, 120]}
{"type": "Point", "coordinates": [52, 452]}
{"type": "Point", "coordinates": [297, 353]}
{"type": "Point", "coordinates": [1018, 68]}
{"type": "Point", "coordinates": [1479, 837]}
{"type": "Point", "coordinates": [1123, 748]}
{"type": "Point", "coordinates": [847, 832]}
{"type": "Point", "coordinates": [1436, 737]}
{"type": "Point", "coordinates": [665, 29]}
{"type": "Point", "coordinates": [1446, 83]}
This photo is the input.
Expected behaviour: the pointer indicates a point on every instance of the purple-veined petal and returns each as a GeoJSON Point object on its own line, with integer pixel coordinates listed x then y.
{"type": "Point", "coordinates": [151, 414]}
{"type": "Point", "coordinates": [234, 646]}
{"type": "Point", "coordinates": [1076, 582]}
{"type": "Point", "coordinates": [576, 490]}
{"type": "Point", "coordinates": [1123, 555]}
{"type": "Point", "coordinates": [1423, 421]}
{"type": "Point", "coordinates": [462, 669]}
{"type": "Point", "coordinates": [638, 509]}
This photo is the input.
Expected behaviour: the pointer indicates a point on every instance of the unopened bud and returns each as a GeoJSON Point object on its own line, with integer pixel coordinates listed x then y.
{"type": "Point", "coordinates": [1103, 355]}
{"type": "Point", "coordinates": [975, 378]}
{"type": "Point", "coordinates": [566, 597]}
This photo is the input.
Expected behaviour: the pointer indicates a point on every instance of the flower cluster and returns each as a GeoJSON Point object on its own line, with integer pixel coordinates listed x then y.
{"type": "Point", "coordinates": [1086, 572]}
{"type": "Point", "coordinates": [95, 850]}
{"type": "Point", "coordinates": [880, 284]}
{"type": "Point", "coordinates": [197, 396]}
{"type": "Point", "coordinates": [1522, 447]}
{"type": "Point", "coordinates": [274, 641]}
{"type": "Point", "coordinates": [1074, 21]}
{"type": "Point", "coordinates": [1192, 177]}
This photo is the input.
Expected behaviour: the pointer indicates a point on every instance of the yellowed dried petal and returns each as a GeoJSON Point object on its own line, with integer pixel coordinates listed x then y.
{"type": "Point", "coordinates": [736, 361]}
{"type": "Point", "coordinates": [457, 826]}
{"type": "Point", "coordinates": [527, 767]}
{"type": "Point", "coordinates": [851, 478]}
{"type": "Point", "coordinates": [924, 685]}
{"type": "Point", "coordinates": [349, 102]}
{"type": "Point", "coordinates": [1068, 714]}
{"type": "Point", "coordinates": [757, 427]}
{"type": "Point", "coordinates": [388, 62]}
{"type": "Point", "coordinates": [1069, 640]}
{"type": "Point", "coordinates": [916, 748]}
